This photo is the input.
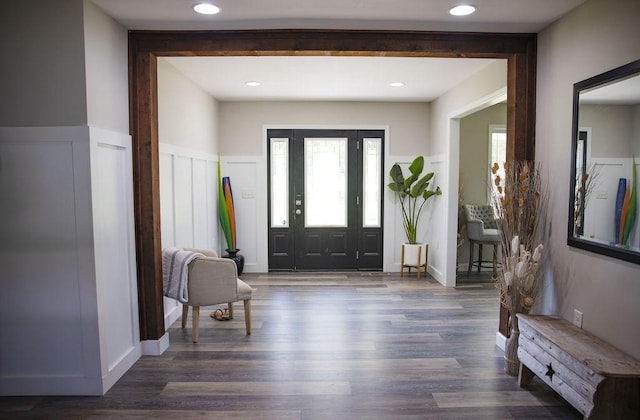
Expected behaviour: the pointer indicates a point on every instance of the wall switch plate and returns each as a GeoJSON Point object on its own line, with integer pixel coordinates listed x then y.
{"type": "Point", "coordinates": [577, 318]}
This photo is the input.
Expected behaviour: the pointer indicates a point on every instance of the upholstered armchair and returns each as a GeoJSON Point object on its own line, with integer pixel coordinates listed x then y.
{"type": "Point", "coordinates": [481, 230]}
{"type": "Point", "coordinates": [212, 281]}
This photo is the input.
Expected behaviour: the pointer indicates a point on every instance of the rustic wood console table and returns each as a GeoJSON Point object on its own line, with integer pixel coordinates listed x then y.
{"type": "Point", "coordinates": [599, 380]}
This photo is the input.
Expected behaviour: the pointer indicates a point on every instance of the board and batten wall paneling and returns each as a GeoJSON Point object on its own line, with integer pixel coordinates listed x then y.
{"type": "Point", "coordinates": [167, 228]}
{"type": "Point", "coordinates": [114, 248]}
{"type": "Point", "coordinates": [188, 205]}
{"type": "Point", "coordinates": [183, 200]}
{"type": "Point", "coordinates": [51, 345]}
{"type": "Point", "coordinates": [248, 177]}
{"type": "Point", "coordinates": [434, 214]}
{"type": "Point", "coordinates": [429, 231]}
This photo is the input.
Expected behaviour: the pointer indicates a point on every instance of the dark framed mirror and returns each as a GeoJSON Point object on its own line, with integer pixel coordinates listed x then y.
{"type": "Point", "coordinates": [605, 161]}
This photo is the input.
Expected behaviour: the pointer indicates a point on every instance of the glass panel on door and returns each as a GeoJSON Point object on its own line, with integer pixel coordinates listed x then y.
{"type": "Point", "coordinates": [325, 174]}
{"type": "Point", "coordinates": [279, 182]}
{"type": "Point", "coordinates": [371, 186]}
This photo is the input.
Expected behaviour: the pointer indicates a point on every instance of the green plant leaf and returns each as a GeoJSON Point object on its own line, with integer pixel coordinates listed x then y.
{"type": "Point", "coordinates": [431, 193]}
{"type": "Point", "coordinates": [413, 193]}
{"type": "Point", "coordinates": [417, 166]}
{"type": "Point", "coordinates": [421, 185]}
{"type": "Point", "coordinates": [397, 177]}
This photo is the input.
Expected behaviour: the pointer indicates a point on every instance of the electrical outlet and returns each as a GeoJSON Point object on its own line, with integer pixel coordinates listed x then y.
{"type": "Point", "coordinates": [577, 318]}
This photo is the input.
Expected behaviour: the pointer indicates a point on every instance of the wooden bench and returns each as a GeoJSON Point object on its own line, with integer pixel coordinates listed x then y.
{"type": "Point", "coordinates": [599, 380]}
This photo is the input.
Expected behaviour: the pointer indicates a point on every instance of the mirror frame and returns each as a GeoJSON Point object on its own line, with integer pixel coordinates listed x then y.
{"type": "Point", "coordinates": [605, 78]}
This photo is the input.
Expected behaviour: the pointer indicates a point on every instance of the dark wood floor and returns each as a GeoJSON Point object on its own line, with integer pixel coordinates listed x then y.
{"type": "Point", "coordinates": [326, 346]}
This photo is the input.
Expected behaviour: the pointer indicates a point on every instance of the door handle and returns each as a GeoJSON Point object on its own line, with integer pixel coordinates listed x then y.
{"type": "Point", "coordinates": [298, 212]}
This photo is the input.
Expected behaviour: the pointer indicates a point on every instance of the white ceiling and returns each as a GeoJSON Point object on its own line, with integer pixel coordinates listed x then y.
{"type": "Point", "coordinates": [327, 79]}
{"type": "Point", "coordinates": [333, 78]}
{"type": "Point", "coordinates": [428, 15]}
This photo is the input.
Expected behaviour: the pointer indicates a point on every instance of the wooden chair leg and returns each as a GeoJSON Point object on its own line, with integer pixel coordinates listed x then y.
{"type": "Point", "coordinates": [247, 315]}
{"type": "Point", "coordinates": [230, 304]}
{"type": "Point", "coordinates": [196, 323]}
{"type": "Point", "coordinates": [185, 313]}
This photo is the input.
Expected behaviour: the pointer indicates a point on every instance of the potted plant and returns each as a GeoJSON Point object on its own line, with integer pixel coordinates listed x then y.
{"type": "Point", "coordinates": [413, 193]}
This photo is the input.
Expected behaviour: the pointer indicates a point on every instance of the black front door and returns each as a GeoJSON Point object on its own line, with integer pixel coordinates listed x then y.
{"type": "Point", "coordinates": [325, 207]}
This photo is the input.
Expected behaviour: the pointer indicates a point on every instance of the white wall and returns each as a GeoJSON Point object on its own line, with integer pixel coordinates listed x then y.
{"type": "Point", "coordinates": [243, 146]}
{"type": "Point", "coordinates": [483, 89]}
{"type": "Point", "coordinates": [114, 253]}
{"type": "Point", "coordinates": [187, 115]}
{"type": "Point", "coordinates": [188, 206]}
{"type": "Point", "coordinates": [249, 184]}
{"type": "Point", "coordinates": [474, 151]}
{"type": "Point", "coordinates": [474, 166]}
{"type": "Point", "coordinates": [42, 77]}
{"type": "Point", "coordinates": [188, 134]}
{"type": "Point", "coordinates": [106, 65]}
{"type": "Point", "coordinates": [46, 262]}
{"type": "Point", "coordinates": [596, 37]}
{"type": "Point", "coordinates": [69, 306]}
{"type": "Point", "coordinates": [242, 123]}
{"type": "Point", "coordinates": [611, 129]}
{"type": "Point", "coordinates": [69, 301]}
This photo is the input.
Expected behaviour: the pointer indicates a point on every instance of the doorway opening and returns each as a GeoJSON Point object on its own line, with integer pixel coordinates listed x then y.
{"type": "Point", "coordinates": [145, 47]}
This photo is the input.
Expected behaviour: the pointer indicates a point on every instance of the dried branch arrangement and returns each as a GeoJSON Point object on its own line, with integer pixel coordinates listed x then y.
{"type": "Point", "coordinates": [519, 203]}
{"type": "Point", "coordinates": [586, 183]}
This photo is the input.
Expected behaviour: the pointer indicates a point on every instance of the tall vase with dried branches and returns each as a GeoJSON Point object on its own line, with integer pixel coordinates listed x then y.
{"type": "Point", "coordinates": [519, 202]}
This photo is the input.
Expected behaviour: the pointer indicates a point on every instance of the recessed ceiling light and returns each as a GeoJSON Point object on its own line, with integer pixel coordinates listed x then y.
{"type": "Point", "coordinates": [396, 84]}
{"type": "Point", "coordinates": [462, 10]}
{"type": "Point", "coordinates": [252, 83]}
{"type": "Point", "coordinates": [206, 8]}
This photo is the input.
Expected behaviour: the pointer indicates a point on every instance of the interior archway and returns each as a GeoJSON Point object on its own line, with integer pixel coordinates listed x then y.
{"type": "Point", "coordinates": [146, 46]}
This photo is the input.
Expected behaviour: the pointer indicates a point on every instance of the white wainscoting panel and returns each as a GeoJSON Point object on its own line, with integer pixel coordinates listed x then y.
{"type": "Point", "coordinates": [167, 226]}
{"type": "Point", "coordinates": [431, 225]}
{"type": "Point", "coordinates": [599, 221]}
{"type": "Point", "coordinates": [114, 248]}
{"type": "Point", "coordinates": [53, 253]}
{"type": "Point", "coordinates": [393, 231]}
{"type": "Point", "coordinates": [200, 209]}
{"type": "Point", "coordinates": [248, 182]}
{"type": "Point", "coordinates": [434, 219]}
{"type": "Point", "coordinates": [183, 200]}
{"type": "Point", "coordinates": [188, 205]}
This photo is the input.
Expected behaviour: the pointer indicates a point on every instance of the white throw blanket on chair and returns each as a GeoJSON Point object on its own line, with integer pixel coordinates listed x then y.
{"type": "Point", "coordinates": [174, 272]}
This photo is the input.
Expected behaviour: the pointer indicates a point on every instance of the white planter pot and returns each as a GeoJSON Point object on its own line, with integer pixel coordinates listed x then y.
{"type": "Point", "coordinates": [414, 255]}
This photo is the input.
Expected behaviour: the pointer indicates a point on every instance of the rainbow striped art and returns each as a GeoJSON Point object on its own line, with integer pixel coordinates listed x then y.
{"type": "Point", "coordinates": [620, 199]}
{"type": "Point", "coordinates": [226, 211]}
{"type": "Point", "coordinates": [626, 207]}
{"type": "Point", "coordinates": [631, 207]}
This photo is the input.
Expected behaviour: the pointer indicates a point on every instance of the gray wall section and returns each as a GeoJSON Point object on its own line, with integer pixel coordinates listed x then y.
{"type": "Point", "coordinates": [595, 37]}
{"type": "Point", "coordinates": [474, 152]}
{"type": "Point", "coordinates": [42, 77]}
{"type": "Point", "coordinates": [107, 71]}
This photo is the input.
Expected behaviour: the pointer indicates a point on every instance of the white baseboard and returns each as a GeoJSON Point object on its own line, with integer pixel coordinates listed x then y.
{"type": "Point", "coordinates": [121, 367]}
{"type": "Point", "coordinates": [155, 347]}
{"type": "Point", "coordinates": [172, 314]}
